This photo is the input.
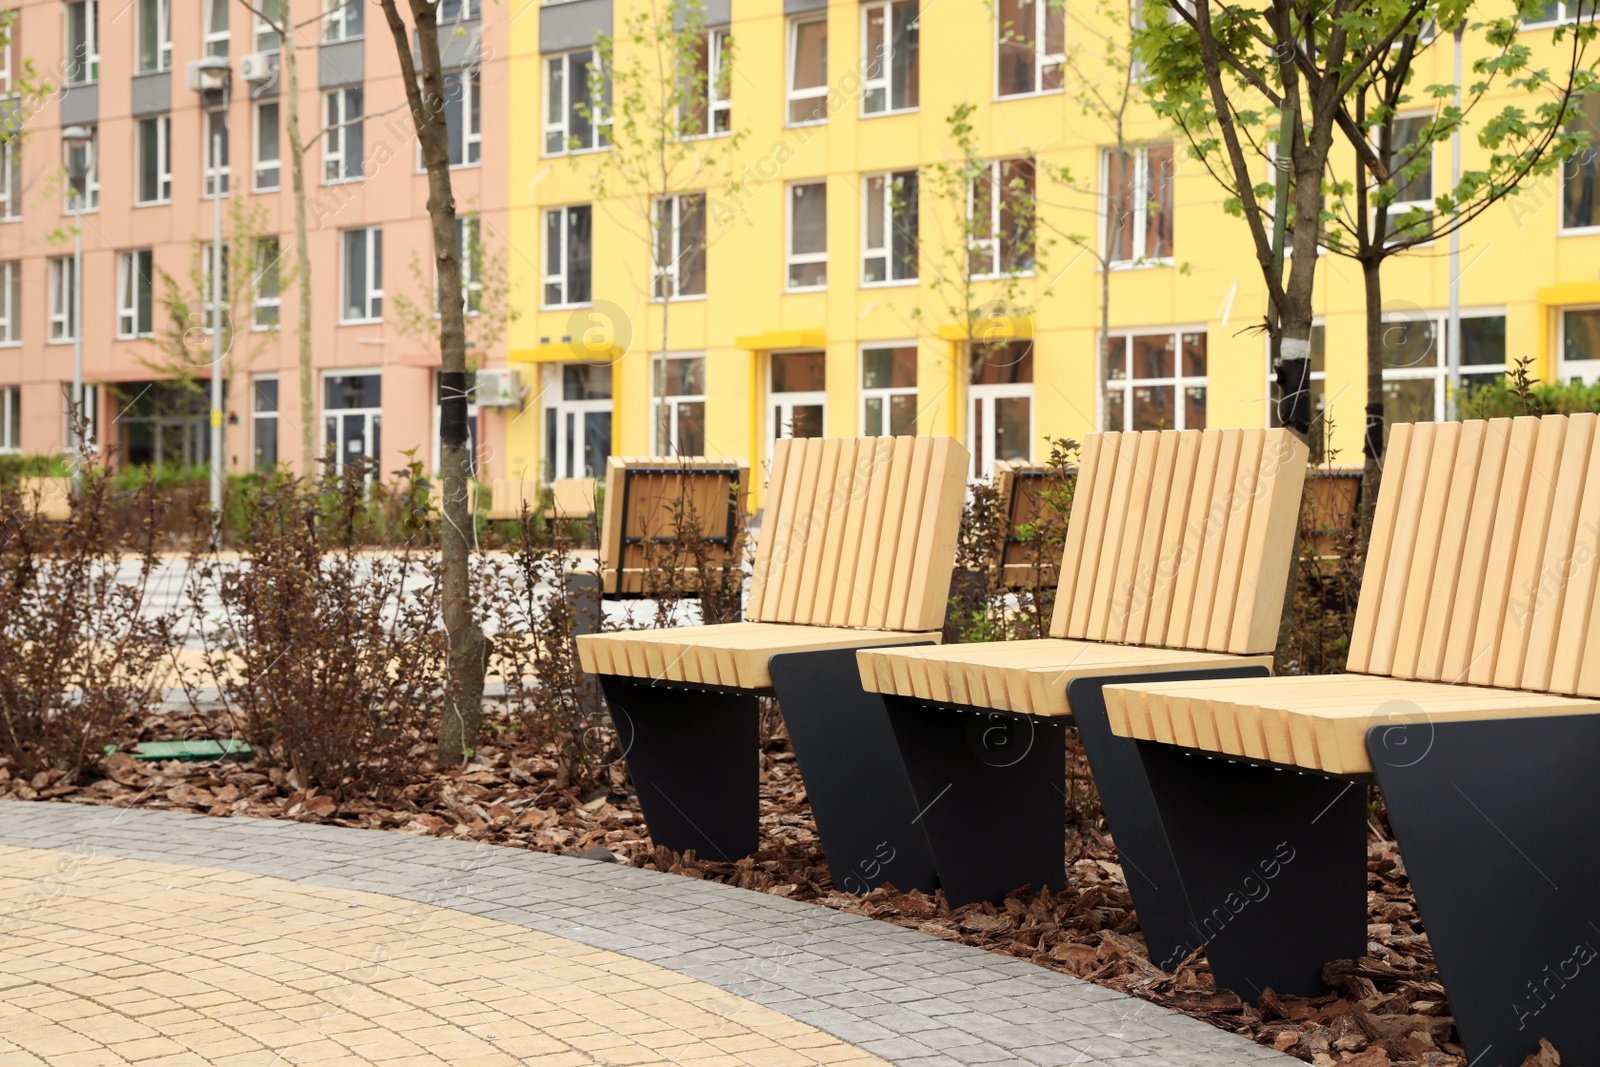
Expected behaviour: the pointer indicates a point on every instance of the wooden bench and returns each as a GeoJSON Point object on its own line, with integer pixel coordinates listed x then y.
{"type": "Point", "coordinates": [856, 549]}
{"type": "Point", "coordinates": [1472, 703]}
{"type": "Point", "coordinates": [648, 498]}
{"type": "Point", "coordinates": [1177, 552]}
{"type": "Point", "coordinates": [51, 498]}
{"type": "Point", "coordinates": [1018, 486]}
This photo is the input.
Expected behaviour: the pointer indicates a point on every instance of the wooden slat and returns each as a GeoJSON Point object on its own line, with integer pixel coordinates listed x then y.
{"type": "Point", "coordinates": [1187, 572]}
{"type": "Point", "coordinates": [1377, 563]}
{"type": "Point", "coordinates": [1402, 544]}
{"type": "Point", "coordinates": [1542, 598]}
{"type": "Point", "coordinates": [838, 510]}
{"type": "Point", "coordinates": [845, 592]}
{"type": "Point", "coordinates": [1529, 561]}
{"type": "Point", "coordinates": [1437, 492]}
{"type": "Point", "coordinates": [1524, 452]}
{"type": "Point", "coordinates": [1125, 580]}
{"type": "Point", "coordinates": [1077, 533]}
{"type": "Point", "coordinates": [756, 605]}
{"type": "Point", "coordinates": [1223, 489]}
{"type": "Point", "coordinates": [1270, 546]}
{"type": "Point", "coordinates": [1577, 659]}
{"type": "Point", "coordinates": [1463, 483]}
{"type": "Point", "coordinates": [1111, 538]}
{"type": "Point", "coordinates": [1164, 580]}
{"type": "Point", "coordinates": [818, 517]}
{"type": "Point", "coordinates": [801, 527]}
{"type": "Point", "coordinates": [1475, 551]}
{"type": "Point", "coordinates": [936, 541]}
{"type": "Point", "coordinates": [909, 521]}
{"type": "Point", "coordinates": [1232, 541]}
{"type": "Point", "coordinates": [879, 603]}
{"type": "Point", "coordinates": [1097, 513]}
{"type": "Point", "coordinates": [872, 533]}
{"type": "Point", "coordinates": [1147, 566]}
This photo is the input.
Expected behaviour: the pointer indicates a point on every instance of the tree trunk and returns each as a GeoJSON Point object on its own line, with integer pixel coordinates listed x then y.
{"type": "Point", "coordinates": [302, 254]}
{"type": "Point", "coordinates": [1372, 446]}
{"type": "Point", "coordinates": [463, 698]}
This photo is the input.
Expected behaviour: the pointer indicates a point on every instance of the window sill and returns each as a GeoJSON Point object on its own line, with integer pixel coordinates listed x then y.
{"type": "Point", "coordinates": [1000, 98]}
{"type": "Point", "coordinates": [803, 289]}
{"type": "Point", "coordinates": [135, 336]}
{"type": "Point", "coordinates": [153, 203]}
{"type": "Point", "coordinates": [891, 113]}
{"type": "Point", "coordinates": [360, 322]}
{"type": "Point", "coordinates": [803, 125]}
{"type": "Point", "coordinates": [262, 190]}
{"type": "Point", "coordinates": [690, 299]}
{"type": "Point", "coordinates": [1578, 231]}
{"type": "Point", "coordinates": [10, 344]}
{"type": "Point", "coordinates": [1118, 266]}
{"type": "Point", "coordinates": [1001, 277]}
{"type": "Point", "coordinates": [68, 212]}
{"type": "Point", "coordinates": [898, 283]}
{"type": "Point", "coordinates": [571, 307]}
{"type": "Point", "coordinates": [10, 218]}
{"type": "Point", "coordinates": [341, 40]}
{"type": "Point", "coordinates": [574, 151]}
{"type": "Point", "coordinates": [60, 341]}
{"type": "Point", "coordinates": [342, 181]}
{"type": "Point", "coordinates": [706, 136]}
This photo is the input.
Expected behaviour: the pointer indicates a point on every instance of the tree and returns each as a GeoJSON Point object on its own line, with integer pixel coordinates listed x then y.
{"type": "Point", "coordinates": [652, 89]}
{"type": "Point", "coordinates": [425, 96]}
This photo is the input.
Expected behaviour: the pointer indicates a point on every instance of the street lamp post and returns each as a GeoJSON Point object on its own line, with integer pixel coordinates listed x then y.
{"type": "Point", "coordinates": [216, 73]}
{"type": "Point", "coordinates": [77, 137]}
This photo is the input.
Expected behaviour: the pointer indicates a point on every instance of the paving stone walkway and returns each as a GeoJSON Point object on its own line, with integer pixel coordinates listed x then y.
{"type": "Point", "coordinates": [173, 940]}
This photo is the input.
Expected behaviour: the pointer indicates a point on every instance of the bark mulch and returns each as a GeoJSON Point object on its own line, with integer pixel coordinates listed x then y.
{"type": "Point", "coordinates": [1389, 1009]}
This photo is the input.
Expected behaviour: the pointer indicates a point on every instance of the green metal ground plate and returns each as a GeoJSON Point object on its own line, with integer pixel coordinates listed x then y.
{"type": "Point", "coordinates": [187, 751]}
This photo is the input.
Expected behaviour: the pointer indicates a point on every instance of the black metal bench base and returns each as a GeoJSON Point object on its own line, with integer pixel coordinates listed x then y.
{"type": "Point", "coordinates": [1499, 827]}
{"type": "Point", "coordinates": [694, 755]}
{"type": "Point", "coordinates": [1273, 863]}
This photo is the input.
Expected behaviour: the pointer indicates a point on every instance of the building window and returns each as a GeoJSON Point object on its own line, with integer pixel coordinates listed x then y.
{"type": "Point", "coordinates": [135, 293]}
{"type": "Point", "coordinates": [83, 42]}
{"type": "Point", "coordinates": [1030, 46]}
{"type": "Point", "coordinates": [1319, 381]}
{"type": "Point", "coordinates": [1000, 405]}
{"type": "Point", "coordinates": [155, 160]}
{"type": "Point", "coordinates": [678, 397]}
{"type": "Point", "coordinates": [268, 153]}
{"type": "Point", "coordinates": [469, 251]}
{"type": "Point", "coordinates": [83, 173]}
{"type": "Point", "coordinates": [577, 426]}
{"type": "Point", "coordinates": [1580, 344]}
{"type": "Point", "coordinates": [566, 256]}
{"type": "Point", "coordinates": [7, 55]}
{"type": "Point", "coordinates": [1155, 381]}
{"type": "Point", "coordinates": [890, 57]}
{"type": "Point", "coordinates": [680, 226]}
{"type": "Point", "coordinates": [457, 10]}
{"type": "Point", "coordinates": [266, 284]}
{"type": "Point", "coordinates": [267, 39]}
{"type": "Point", "coordinates": [889, 391]}
{"type": "Point", "coordinates": [352, 417]}
{"type": "Point", "coordinates": [710, 86]}
{"type": "Point", "coordinates": [889, 228]}
{"type": "Point", "coordinates": [808, 70]}
{"type": "Point", "coordinates": [90, 416]}
{"type": "Point", "coordinates": [363, 275]}
{"type": "Point", "coordinates": [808, 236]}
{"type": "Point", "coordinates": [799, 396]}
{"type": "Point", "coordinates": [1416, 362]}
{"type": "Point", "coordinates": [217, 27]}
{"type": "Point", "coordinates": [63, 290]}
{"type": "Point", "coordinates": [155, 36]}
{"type": "Point", "coordinates": [1580, 174]}
{"type": "Point", "coordinates": [10, 419]}
{"type": "Point", "coordinates": [1553, 11]}
{"type": "Point", "coordinates": [1000, 209]}
{"type": "Point", "coordinates": [343, 143]}
{"type": "Point", "coordinates": [574, 120]}
{"type": "Point", "coordinates": [1415, 191]}
{"type": "Point", "coordinates": [212, 257]}
{"type": "Point", "coordinates": [462, 118]}
{"type": "Point", "coordinates": [11, 303]}
{"type": "Point", "coordinates": [264, 422]}
{"type": "Point", "coordinates": [343, 20]}
{"type": "Point", "coordinates": [1138, 185]}
{"type": "Point", "coordinates": [216, 155]}
{"type": "Point", "coordinates": [10, 180]}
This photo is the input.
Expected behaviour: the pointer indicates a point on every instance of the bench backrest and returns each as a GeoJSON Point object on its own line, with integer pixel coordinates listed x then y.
{"type": "Point", "coordinates": [1482, 563]}
{"type": "Point", "coordinates": [860, 532]}
{"type": "Point", "coordinates": [1181, 538]}
{"type": "Point", "coordinates": [572, 498]}
{"type": "Point", "coordinates": [1018, 486]}
{"type": "Point", "coordinates": [51, 496]}
{"type": "Point", "coordinates": [647, 496]}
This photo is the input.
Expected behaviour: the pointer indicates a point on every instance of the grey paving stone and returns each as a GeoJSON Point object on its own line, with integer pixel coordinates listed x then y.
{"type": "Point", "coordinates": [913, 1000]}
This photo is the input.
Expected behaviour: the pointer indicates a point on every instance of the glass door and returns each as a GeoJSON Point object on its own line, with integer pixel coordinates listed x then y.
{"type": "Point", "coordinates": [577, 426]}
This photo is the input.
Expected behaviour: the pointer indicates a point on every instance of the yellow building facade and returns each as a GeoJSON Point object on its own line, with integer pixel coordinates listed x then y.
{"type": "Point", "coordinates": [801, 312]}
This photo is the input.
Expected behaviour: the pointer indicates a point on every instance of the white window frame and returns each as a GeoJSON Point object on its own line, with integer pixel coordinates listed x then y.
{"type": "Point", "coordinates": [984, 396]}
{"type": "Point", "coordinates": [264, 29]}
{"type": "Point", "coordinates": [793, 259]}
{"type": "Point", "coordinates": [91, 59]}
{"type": "Point", "coordinates": [337, 18]}
{"type": "Point", "coordinates": [780, 406]}
{"type": "Point", "coordinates": [1041, 59]}
{"type": "Point", "coordinates": [1397, 209]}
{"type": "Point", "coordinates": [672, 403]}
{"type": "Point", "coordinates": [62, 300]}
{"type": "Point", "coordinates": [599, 121]}
{"type": "Point", "coordinates": [1564, 13]}
{"type": "Point", "coordinates": [338, 122]}
{"type": "Point", "coordinates": [469, 249]}
{"type": "Point", "coordinates": [216, 42]}
{"type": "Point", "coordinates": [215, 174]}
{"type": "Point", "coordinates": [372, 300]}
{"type": "Point", "coordinates": [257, 162]}
{"type": "Point", "coordinates": [373, 416]}
{"type": "Point", "coordinates": [1179, 381]}
{"type": "Point", "coordinates": [886, 251]}
{"type": "Point", "coordinates": [885, 393]}
{"type": "Point", "coordinates": [564, 257]}
{"type": "Point", "coordinates": [1588, 370]}
{"type": "Point", "coordinates": [1439, 373]}
{"type": "Point", "coordinates": [6, 56]}
{"type": "Point", "coordinates": [719, 107]}
{"type": "Point", "coordinates": [884, 82]}
{"type": "Point", "coordinates": [163, 129]}
{"type": "Point", "coordinates": [164, 42]}
{"type": "Point", "coordinates": [792, 94]}
{"type": "Point", "coordinates": [992, 243]}
{"type": "Point", "coordinates": [1142, 186]}
{"type": "Point", "coordinates": [258, 417]}
{"type": "Point", "coordinates": [669, 272]}
{"type": "Point", "coordinates": [258, 302]}
{"type": "Point", "coordinates": [10, 420]}
{"type": "Point", "coordinates": [564, 460]}
{"type": "Point", "coordinates": [129, 272]}
{"type": "Point", "coordinates": [91, 175]}
{"type": "Point", "coordinates": [10, 303]}
{"type": "Point", "coordinates": [1591, 157]}
{"type": "Point", "coordinates": [10, 181]}
{"type": "Point", "coordinates": [470, 80]}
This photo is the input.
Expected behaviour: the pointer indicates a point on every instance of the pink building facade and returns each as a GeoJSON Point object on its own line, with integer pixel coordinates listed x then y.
{"type": "Point", "coordinates": [119, 128]}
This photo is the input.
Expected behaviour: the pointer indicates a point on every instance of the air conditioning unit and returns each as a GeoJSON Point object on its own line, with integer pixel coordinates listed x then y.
{"type": "Point", "coordinates": [258, 66]}
{"type": "Point", "coordinates": [499, 388]}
